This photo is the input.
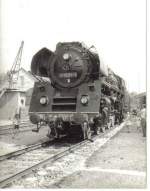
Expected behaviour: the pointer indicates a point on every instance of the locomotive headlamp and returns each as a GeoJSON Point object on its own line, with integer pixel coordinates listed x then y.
{"type": "Point", "coordinates": [43, 100]}
{"type": "Point", "coordinates": [84, 99]}
{"type": "Point", "coordinates": [66, 56]}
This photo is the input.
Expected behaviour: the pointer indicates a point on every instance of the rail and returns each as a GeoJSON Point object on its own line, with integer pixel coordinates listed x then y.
{"type": "Point", "coordinates": [50, 160]}
{"type": "Point", "coordinates": [22, 151]}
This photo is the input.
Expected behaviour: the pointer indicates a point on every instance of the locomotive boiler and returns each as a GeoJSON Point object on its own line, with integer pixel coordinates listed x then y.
{"type": "Point", "coordinates": [79, 98]}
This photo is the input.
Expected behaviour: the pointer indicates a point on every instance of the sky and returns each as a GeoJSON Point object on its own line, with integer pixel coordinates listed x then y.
{"type": "Point", "coordinates": [117, 28]}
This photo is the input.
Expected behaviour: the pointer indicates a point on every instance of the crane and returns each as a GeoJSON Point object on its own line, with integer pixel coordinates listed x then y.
{"type": "Point", "coordinates": [14, 72]}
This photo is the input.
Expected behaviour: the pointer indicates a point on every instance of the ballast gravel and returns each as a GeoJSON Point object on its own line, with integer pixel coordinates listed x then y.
{"type": "Point", "coordinates": [46, 176]}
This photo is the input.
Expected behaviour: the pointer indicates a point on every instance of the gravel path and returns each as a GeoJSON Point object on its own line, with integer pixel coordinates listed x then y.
{"type": "Point", "coordinates": [120, 163]}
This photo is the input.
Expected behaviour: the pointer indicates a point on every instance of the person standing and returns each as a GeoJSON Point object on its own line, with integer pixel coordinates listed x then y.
{"type": "Point", "coordinates": [16, 124]}
{"type": "Point", "coordinates": [128, 122]}
{"type": "Point", "coordinates": [143, 120]}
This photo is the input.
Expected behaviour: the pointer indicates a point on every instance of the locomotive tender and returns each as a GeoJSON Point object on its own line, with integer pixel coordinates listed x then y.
{"type": "Point", "coordinates": [80, 97]}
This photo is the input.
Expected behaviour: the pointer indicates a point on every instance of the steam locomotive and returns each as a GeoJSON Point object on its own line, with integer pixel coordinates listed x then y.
{"type": "Point", "coordinates": [81, 97]}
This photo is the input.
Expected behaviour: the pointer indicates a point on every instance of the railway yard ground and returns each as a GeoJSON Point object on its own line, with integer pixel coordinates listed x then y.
{"type": "Point", "coordinates": [115, 160]}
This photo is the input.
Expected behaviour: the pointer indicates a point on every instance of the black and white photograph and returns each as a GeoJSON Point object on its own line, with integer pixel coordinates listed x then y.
{"type": "Point", "coordinates": [73, 95]}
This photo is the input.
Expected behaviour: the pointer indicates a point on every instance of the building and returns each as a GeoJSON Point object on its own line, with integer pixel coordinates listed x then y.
{"type": "Point", "coordinates": [10, 103]}
{"type": "Point", "coordinates": [141, 99]}
{"type": "Point", "coordinates": [25, 80]}
{"type": "Point", "coordinates": [11, 100]}
{"type": "Point", "coordinates": [137, 100]}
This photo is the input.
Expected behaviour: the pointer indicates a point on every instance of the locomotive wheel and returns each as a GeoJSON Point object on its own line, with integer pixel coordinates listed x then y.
{"type": "Point", "coordinates": [86, 130]}
{"type": "Point", "coordinates": [53, 132]}
{"type": "Point", "coordinates": [103, 129]}
{"type": "Point", "coordinates": [97, 130]}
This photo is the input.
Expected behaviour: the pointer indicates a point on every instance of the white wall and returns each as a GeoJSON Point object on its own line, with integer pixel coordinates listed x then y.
{"type": "Point", "coordinates": [24, 81]}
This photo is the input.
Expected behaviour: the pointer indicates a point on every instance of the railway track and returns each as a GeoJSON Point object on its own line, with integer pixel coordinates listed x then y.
{"type": "Point", "coordinates": [7, 126]}
{"type": "Point", "coordinates": [22, 129]}
{"type": "Point", "coordinates": [23, 150]}
{"type": "Point", "coordinates": [13, 169]}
